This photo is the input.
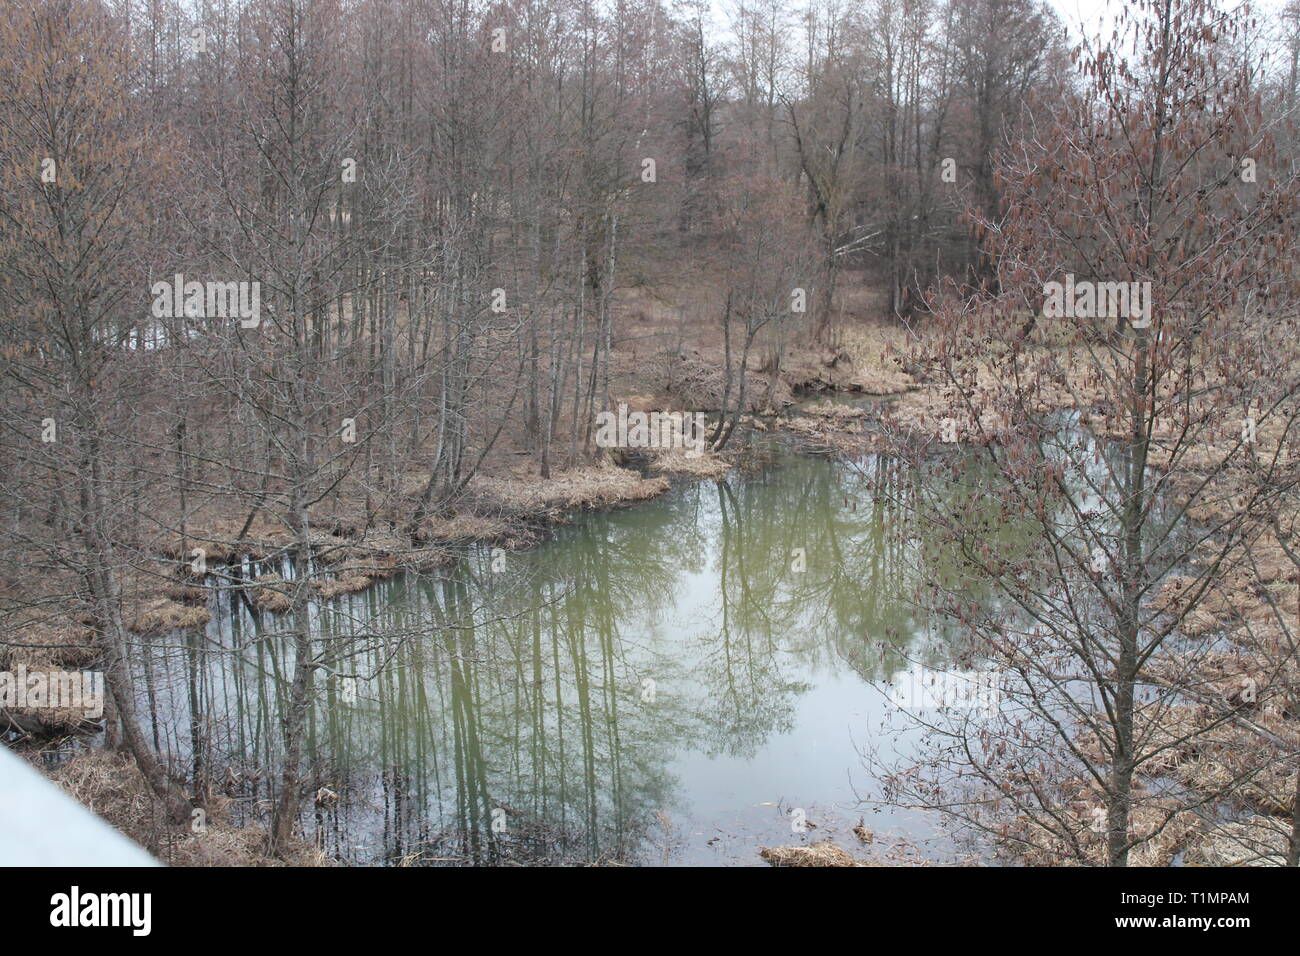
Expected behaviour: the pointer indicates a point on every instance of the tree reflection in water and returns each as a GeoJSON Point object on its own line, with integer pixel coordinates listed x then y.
{"type": "Point", "coordinates": [562, 710]}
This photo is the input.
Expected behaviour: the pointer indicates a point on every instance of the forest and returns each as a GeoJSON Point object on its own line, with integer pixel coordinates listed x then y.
{"type": "Point", "coordinates": [481, 432]}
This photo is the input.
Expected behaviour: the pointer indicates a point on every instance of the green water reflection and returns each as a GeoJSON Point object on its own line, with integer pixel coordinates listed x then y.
{"type": "Point", "coordinates": [657, 684]}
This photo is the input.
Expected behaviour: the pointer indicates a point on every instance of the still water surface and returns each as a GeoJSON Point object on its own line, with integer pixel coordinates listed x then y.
{"type": "Point", "coordinates": [669, 683]}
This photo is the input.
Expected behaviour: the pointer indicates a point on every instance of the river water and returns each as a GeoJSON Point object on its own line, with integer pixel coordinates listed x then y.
{"type": "Point", "coordinates": [677, 682]}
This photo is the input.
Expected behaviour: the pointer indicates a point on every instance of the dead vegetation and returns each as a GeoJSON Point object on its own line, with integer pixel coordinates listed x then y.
{"type": "Point", "coordinates": [679, 464]}
{"type": "Point", "coordinates": [599, 486]}
{"type": "Point", "coordinates": [37, 643]}
{"type": "Point", "coordinates": [162, 615]}
{"type": "Point", "coordinates": [1077, 835]}
{"type": "Point", "coordinates": [825, 853]}
{"type": "Point", "coordinates": [696, 381]}
{"type": "Point", "coordinates": [506, 505]}
{"type": "Point", "coordinates": [35, 640]}
{"type": "Point", "coordinates": [829, 427]}
{"type": "Point", "coordinates": [271, 594]}
{"type": "Point", "coordinates": [876, 351]}
{"type": "Point", "coordinates": [110, 785]}
{"type": "Point", "coordinates": [1254, 841]}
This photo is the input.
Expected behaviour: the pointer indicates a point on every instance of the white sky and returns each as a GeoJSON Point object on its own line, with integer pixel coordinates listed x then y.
{"type": "Point", "coordinates": [1090, 12]}
{"type": "Point", "coordinates": [1074, 12]}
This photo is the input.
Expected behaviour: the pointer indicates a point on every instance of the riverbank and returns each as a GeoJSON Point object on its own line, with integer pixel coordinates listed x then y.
{"type": "Point", "coordinates": [513, 508]}
{"type": "Point", "coordinates": [507, 505]}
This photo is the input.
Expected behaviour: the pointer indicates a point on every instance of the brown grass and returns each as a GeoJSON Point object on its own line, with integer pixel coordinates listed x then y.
{"type": "Point", "coordinates": [824, 853]}
{"type": "Point", "coordinates": [1150, 820]}
{"type": "Point", "coordinates": [1255, 841]}
{"type": "Point", "coordinates": [678, 463]}
{"type": "Point", "coordinates": [110, 785]}
{"type": "Point", "coordinates": [598, 486]}
{"type": "Point", "coordinates": [162, 615]}
{"type": "Point", "coordinates": [270, 594]}
{"type": "Point", "coordinates": [875, 353]}
{"type": "Point", "coordinates": [56, 642]}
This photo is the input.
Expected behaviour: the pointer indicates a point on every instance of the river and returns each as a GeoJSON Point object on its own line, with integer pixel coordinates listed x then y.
{"type": "Point", "coordinates": [677, 682]}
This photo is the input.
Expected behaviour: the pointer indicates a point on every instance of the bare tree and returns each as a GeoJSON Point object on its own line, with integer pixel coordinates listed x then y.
{"type": "Point", "coordinates": [1119, 524]}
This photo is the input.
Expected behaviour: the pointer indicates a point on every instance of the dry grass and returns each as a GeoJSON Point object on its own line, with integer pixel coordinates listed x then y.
{"type": "Point", "coordinates": [696, 381]}
{"type": "Point", "coordinates": [464, 528]}
{"type": "Point", "coordinates": [110, 785]}
{"type": "Point", "coordinates": [47, 723]}
{"type": "Point", "coordinates": [1163, 829]}
{"type": "Point", "coordinates": [1228, 760]}
{"type": "Point", "coordinates": [270, 594]}
{"type": "Point", "coordinates": [349, 580]}
{"type": "Point", "coordinates": [828, 435]}
{"type": "Point", "coordinates": [40, 642]}
{"type": "Point", "coordinates": [677, 463]}
{"type": "Point", "coordinates": [875, 354]}
{"type": "Point", "coordinates": [836, 411]}
{"type": "Point", "coordinates": [163, 615]}
{"type": "Point", "coordinates": [1214, 608]}
{"type": "Point", "coordinates": [215, 528]}
{"type": "Point", "coordinates": [923, 413]}
{"type": "Point", "coordinates": [824, 853]}
{"type": "Point", "coordinates": [599, 486]}
{"type": "Point", "coordinates": [1255, 841]}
